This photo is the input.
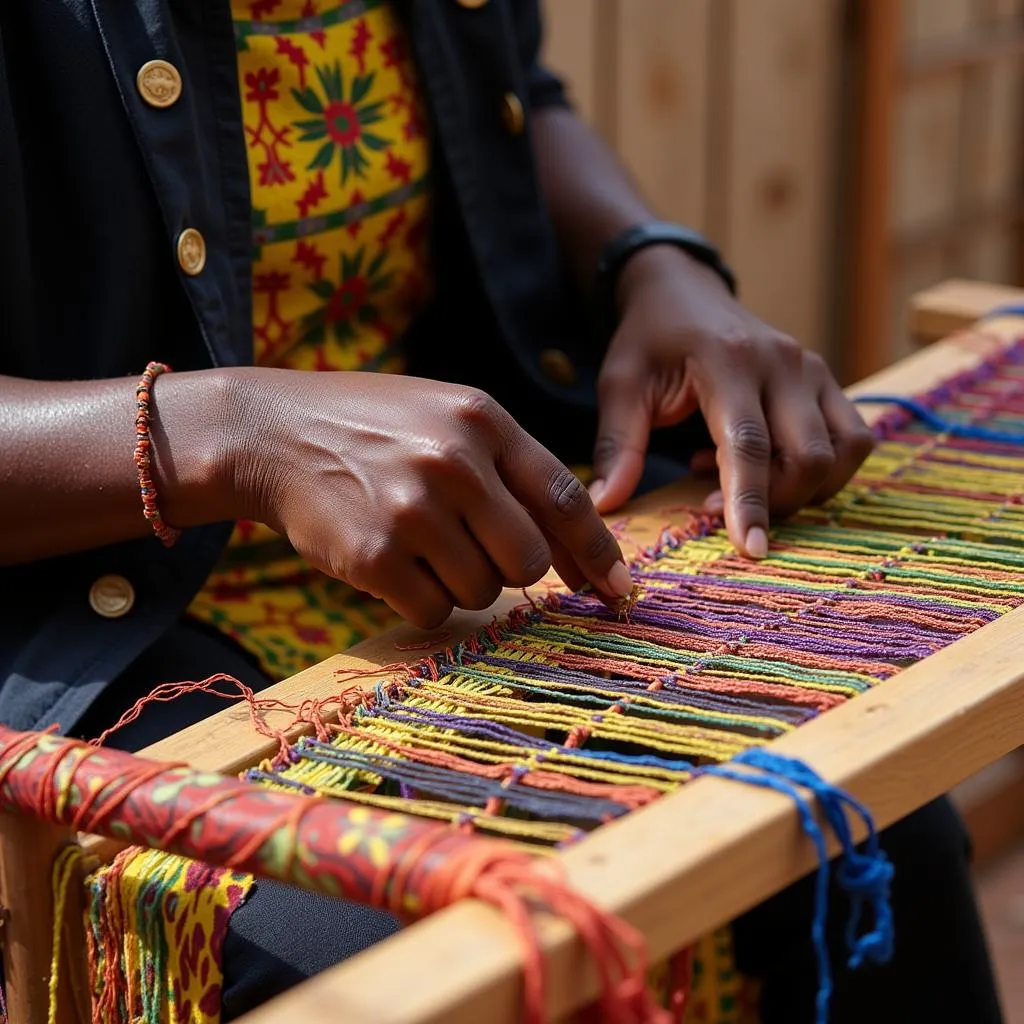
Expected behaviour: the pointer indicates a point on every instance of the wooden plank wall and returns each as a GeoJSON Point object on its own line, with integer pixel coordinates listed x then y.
{"type": "Point", "coordinates": [957, 155]}
{"type": "Point", "coordinates": [744, 117]}
{"type": "Point", "coordinates": [726, 113]}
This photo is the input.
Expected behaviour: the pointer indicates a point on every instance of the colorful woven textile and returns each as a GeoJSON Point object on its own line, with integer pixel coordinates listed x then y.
{"type": "Point", "coordinates": [156, 927]}
{"type": "Point", "coordinates": [409, 866]}
{"type": "Point", "coordinates": [569, 715]}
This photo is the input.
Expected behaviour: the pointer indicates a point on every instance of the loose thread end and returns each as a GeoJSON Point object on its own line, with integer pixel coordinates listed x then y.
{"type": "Point", "coordinates": [865, 875]}
{"type": "Point", "coordinates": [516, 883]}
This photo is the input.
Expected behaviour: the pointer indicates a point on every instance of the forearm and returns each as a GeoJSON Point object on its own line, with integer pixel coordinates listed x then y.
{"type": "Point", "coordinates": [67, 478]}
{"type": "Point", "coordinates": [588, 192]}
{"type": "Point", "coordinates": [591, 200]}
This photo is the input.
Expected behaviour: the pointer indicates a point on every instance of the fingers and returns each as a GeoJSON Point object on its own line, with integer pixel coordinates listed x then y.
{"type": "Point", "coordinates": [797, 443]}
{"type": "Point", "coordinates": [624, 429]}
{"type": "Point", "coordinates": [565, 565]}
{"type": "Point", "coordinates": [413, 592]}
{"type": "Point", "coordinates": [852, 440]}
{"type": "Point", "coordinates": [801, 473]}
{"type": "Point", "coordinates": [714, 503]}
{"type": "Point", "coordinates": [461, 565]}
{"type": "Point", "coordinates": [514, 544]}
{"type": "Point", "coordinates": [738, 426]}
{"type": "Point", "coordinates": [803, 452]}
{"type": "Point", "coordinates": [704, 464]}
{"type": "Point", "coordinates": [561, 507]}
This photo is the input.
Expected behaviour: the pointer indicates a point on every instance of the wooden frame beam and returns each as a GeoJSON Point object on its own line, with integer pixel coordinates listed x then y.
{"type": "Point", "coordinates": [27, 849]}
{"type": "Point", "coordinates": [905, 743]}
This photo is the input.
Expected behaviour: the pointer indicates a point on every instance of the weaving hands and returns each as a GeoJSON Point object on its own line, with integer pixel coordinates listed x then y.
{"type": "Point", "coordinates": [786, 436]}
{"type": "Point", "coordinates": [331, 364]}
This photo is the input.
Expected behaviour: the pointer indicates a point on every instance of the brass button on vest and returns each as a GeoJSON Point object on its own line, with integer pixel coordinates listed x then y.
{"type": "Point", "coordinates": [471, 4]}
{"type": "Point", "coordinates": [558, 367]}
{"type": "Point", "coordinates": [191, 252]}
{"type": "Point", "coordinates": [512, 114]}
{"type": "Point", "coordinates": [111, 597]}
{"type": "Point", "coordinates": [159, 83]}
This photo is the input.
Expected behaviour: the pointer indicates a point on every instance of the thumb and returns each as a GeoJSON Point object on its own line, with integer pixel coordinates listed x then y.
{"type": "Point", "coordinates": [623, 431]}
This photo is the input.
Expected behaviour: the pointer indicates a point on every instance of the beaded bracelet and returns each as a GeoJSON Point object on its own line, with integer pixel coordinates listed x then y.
{"type": "Point", "coordinates": [143, 448]}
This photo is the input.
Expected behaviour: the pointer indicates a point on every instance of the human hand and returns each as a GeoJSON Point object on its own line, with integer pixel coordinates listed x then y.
{"type": "Point", "coordinates": [785, 433]}
{"type": "Point", "coordinates": [426, 495]}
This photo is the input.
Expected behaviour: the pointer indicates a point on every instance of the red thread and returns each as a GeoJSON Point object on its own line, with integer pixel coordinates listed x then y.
{"type": "Point", "coordinates": [143, 454]}
{"type": "Point", "coordinates": [426, 645]}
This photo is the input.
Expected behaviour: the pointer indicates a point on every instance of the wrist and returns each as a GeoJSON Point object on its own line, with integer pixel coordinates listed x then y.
{"type": "Point", "coordinates": [663, 263]}
{"type": "Point", "coordinates": [655, 248]}
{"type": "Point", "coordinates": [198, 442]}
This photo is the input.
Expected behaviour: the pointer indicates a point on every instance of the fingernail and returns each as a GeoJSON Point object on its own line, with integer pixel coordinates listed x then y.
{"type": "Point", "coordinates": [757, 542]}
{"type": "Point", "coordinates": [619, 581]}
{"type": "Point", "coordinates": [597, 488]}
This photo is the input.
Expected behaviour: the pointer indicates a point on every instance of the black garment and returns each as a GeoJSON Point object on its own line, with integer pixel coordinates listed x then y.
{"type": "Point", "coordinates": [940, 974]}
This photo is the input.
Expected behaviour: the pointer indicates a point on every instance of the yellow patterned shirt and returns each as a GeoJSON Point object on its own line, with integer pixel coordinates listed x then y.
{"type": "Point", "coordinates": [338, 169]}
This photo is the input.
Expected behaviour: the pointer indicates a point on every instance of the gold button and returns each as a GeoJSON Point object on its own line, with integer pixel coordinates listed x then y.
{"type": "Point", "coordinates": [471, 4]}
{"type": "Point", "coordinates": [557, 366]}
{"type": "Point", "coordinates": [159, 83]}
{"type": "Point", "coordinates": [512, 114]}
{"type": "Point", "coordinates": [191, 252]}
{"type": "Point", "coordinates": [111, 597]}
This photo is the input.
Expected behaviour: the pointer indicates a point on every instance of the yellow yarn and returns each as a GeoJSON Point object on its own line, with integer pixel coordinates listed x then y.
{"type": "Point", "coordinates": [64, 873]}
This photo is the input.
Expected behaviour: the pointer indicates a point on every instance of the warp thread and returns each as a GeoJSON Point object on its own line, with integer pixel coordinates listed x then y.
{"type": "Point", "coordinates": [1013, 309]}
{"type": "Point", "coordinates": [543, 727]}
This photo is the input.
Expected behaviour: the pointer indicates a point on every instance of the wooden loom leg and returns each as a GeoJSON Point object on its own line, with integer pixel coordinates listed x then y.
{"type": "Point", "coordinates": [869, 302]}
{"type": "Point", "coordinates": [28, 849]}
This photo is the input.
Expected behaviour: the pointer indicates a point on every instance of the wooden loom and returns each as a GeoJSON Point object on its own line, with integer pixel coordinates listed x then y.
{"type": "Point", "coordinates": [724, 848]}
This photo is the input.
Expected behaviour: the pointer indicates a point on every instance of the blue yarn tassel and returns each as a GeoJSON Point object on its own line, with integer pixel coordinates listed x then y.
{"type": "Point", "coordinates": [865, 874]}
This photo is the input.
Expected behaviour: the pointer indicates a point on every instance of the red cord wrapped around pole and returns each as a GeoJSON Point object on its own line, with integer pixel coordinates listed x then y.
{"type": "Point", "coordinates": [396, 862]}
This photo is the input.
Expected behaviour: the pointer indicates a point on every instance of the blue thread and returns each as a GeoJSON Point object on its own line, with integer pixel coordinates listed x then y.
{"type": "Point", "coordinates": [866, 876]}
{"type": "Point", "coordinates": [1015, 309]}
{"type": "Point", "coordinates": [939, 423]}
{"type": "Point", "coordinates": [455, 786]}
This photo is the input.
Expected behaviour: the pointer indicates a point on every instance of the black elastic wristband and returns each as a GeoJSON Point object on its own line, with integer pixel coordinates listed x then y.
{"type": "Point", "coordinates": [618, 251]}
